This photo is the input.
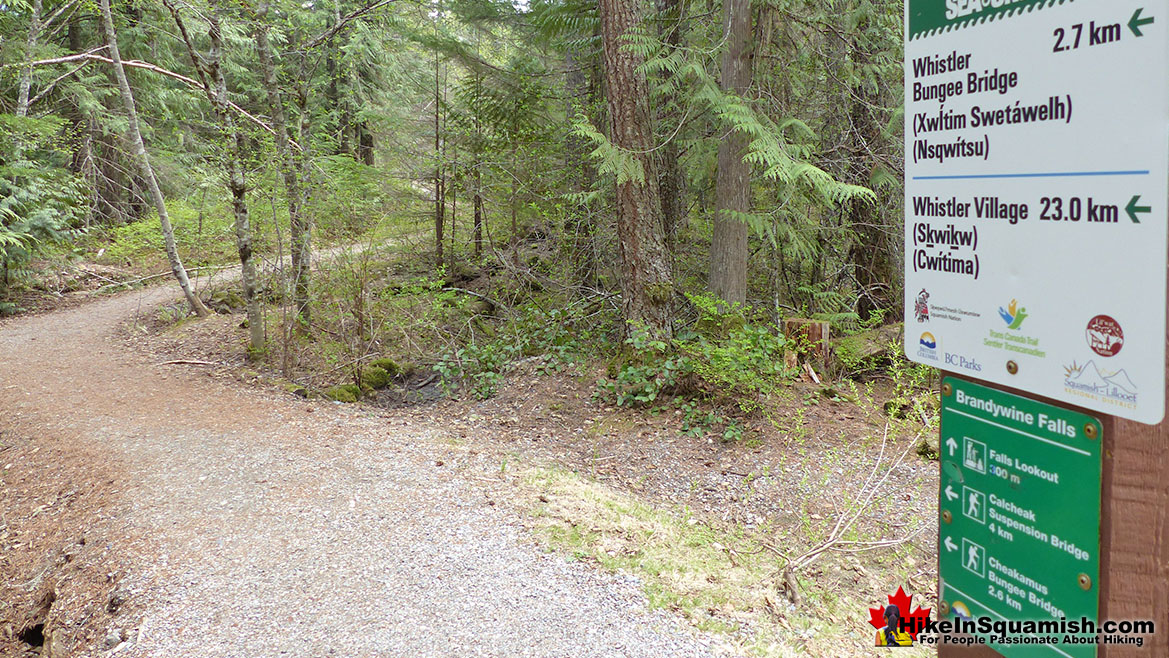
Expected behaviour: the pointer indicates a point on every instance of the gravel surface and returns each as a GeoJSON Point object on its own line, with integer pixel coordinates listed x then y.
{"type": "Point", "coordinates": [258, 524]}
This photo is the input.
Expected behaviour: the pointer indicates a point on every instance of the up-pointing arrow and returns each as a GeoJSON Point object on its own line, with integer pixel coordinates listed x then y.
{"type": "Point", "coordinates": [952, 445]}
{"type": "Point", "coordinates": [1133, 209]}
{"type": "Point", "coordinates": [950, 494]}
{"type": "Point", "coordinates": [1136, 22]}
{"type": "Point", "coordinates": [950, 545]}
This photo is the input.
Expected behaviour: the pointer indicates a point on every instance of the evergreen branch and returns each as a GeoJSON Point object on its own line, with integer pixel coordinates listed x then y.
{"type": "Point", "coordinates": [147, 66]}
{"type": "Point", "coordinates": [345, 20]}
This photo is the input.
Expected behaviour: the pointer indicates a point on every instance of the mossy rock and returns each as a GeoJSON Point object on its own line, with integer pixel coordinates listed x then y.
{"type": "Point", "coordinates": [390, 366]}
{"type": "Point", "coordinates": [394, 369]}
{"type": "Point", "coordinates": [375, 377]}
{"type": "Point", "coordinates": [344, 393]}
{"type": "Point", "coordinates": [225, 301]}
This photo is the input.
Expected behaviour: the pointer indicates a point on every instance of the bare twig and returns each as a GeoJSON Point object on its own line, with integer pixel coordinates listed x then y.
{"type": "Point", "coordinates": [187, 362]}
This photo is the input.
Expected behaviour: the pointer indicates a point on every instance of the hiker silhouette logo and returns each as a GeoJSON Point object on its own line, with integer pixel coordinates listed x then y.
{"type": "Point", "coordinates": [896, 625]}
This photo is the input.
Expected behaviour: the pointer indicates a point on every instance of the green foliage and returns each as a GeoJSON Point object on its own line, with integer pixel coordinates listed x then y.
{"type": "Point", "coordinates": [555, 339]}
{"type": "Point", "coordinates": [652, 368]}
{"type": "Point", "coordinates": [205, 235]}
{"type": "Point", "coordinates": [41, 201]}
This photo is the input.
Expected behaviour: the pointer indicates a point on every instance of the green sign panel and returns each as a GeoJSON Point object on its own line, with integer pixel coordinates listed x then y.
{"type": "Point", "coordinates": [1020, 513]}
{"type": "Point", "coordinates": [928, 17]}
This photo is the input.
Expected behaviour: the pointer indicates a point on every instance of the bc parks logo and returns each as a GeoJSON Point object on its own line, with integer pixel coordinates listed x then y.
{"type": "Point", "coordinates": [962, 362]}
{"type": "Point", "coordinates": [1090, 381]}
{"type": "Point", "coordinates": [927, 347]}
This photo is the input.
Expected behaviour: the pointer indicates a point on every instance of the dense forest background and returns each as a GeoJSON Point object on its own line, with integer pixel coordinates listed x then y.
{"type": "Point", "coordinates": [666, 181]}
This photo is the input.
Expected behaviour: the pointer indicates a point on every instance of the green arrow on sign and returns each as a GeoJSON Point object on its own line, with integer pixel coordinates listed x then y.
{"type": "Point", "coordinates": [1132, 209]}
{"type": "Point", "coordinates": [1136, 22]}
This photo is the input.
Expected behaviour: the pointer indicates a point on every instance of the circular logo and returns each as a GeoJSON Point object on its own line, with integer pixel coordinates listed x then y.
{"type": "Point", "coordinates": [1104, 335]}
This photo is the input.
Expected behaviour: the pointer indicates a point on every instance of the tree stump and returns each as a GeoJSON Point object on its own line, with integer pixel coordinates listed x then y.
{"type": "Point", "coordinates": [811, 338]}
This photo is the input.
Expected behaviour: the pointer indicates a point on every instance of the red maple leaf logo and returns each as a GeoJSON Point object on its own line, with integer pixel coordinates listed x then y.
{"type": "Point", "coordinates": [912, 622]}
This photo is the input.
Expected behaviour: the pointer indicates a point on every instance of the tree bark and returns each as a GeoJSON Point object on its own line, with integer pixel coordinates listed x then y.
{"type": "Point", "coordinates": [728, 246]}
{"type": "Point", "coordinates": [143, 162]}
{"type": "Point", "coordinates": [646, 281]}
{"type": "Point", "coordinates": [300, 229]}
{"type": "Point", "coordinates": [238, 186]}
{"type": "Point", "coordinates": [671, 12]}
{"type": "Point", "coordinates": [34, 31]}
{"type": "Point", "coordinates": [439, 182]}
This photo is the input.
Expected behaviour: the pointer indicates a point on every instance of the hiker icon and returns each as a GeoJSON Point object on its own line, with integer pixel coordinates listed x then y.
{"type": "Point", "coordinates": [974, 558]}
{"type": "Point", "coordinates": [974, 505]}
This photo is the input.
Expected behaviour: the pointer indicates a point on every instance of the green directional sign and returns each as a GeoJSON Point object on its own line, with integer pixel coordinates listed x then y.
{"type": "Point", "coordinates": [1019, 514]}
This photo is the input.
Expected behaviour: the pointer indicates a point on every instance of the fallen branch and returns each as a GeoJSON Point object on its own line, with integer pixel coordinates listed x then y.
{"type": "Point", "coordinates": [144, 279]}
{"type": "Point", "coordinates": [188, 362]}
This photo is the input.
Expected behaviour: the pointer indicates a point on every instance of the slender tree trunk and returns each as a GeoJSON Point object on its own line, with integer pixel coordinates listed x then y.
{"type": "Point", "coordinates": [646, 281]}
{"type": "Point", "coordinates": [25, 85]}
{"type": "Point", "coordinates": [210, 73]}
{"type": "Point", "coordinates": [300, 229]}
{"type": "Point", "coordinates": [671, 13]}
{"type": "Point", "coordinates": [477, 205]}
{"type": "Point", "coordinates": [454, 192]}
{"type": "Point", "coordinates": [581, 173]}
{"type": "Point", "coordinates": [439, 200]}
{"type": "Point", "coordinates": [143, 162]}
{"type": "Point", "coordinates": [872, 255]}
{"type": "Point", "coordinates": [728, 247]}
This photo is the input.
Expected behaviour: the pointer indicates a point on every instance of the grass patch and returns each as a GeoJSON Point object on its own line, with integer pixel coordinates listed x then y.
{"type": "Point", "coordinates": [722, 579]}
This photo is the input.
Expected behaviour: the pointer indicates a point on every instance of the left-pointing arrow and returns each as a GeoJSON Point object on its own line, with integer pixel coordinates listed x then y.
{"type": "Point", "coordinates": [1133, 209]}
{"type": "Point", "coordinates": [950, 545]}
{"type": "Point", "coordinates": [950, 495]}
{"type": "Point", "coordinates": [1136, 22]}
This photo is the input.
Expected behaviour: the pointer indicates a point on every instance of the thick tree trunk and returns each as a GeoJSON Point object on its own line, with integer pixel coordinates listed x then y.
{"type": "Point", "coordinates": [728, 246]}
{"type": "Point", "coordinates": [143, 162]}
{"type": "Point", "coordinates": [646, 281]}
{"type": "Point", "coordinates": [300, 229]}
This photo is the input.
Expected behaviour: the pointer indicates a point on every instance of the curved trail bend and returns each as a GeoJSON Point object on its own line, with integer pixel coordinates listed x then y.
{"type": "Point", "coordinates": [285, 527]}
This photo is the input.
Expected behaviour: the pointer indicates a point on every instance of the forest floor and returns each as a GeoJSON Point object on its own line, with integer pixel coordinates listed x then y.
{"type": "Point", "coordinates": [178, 509]}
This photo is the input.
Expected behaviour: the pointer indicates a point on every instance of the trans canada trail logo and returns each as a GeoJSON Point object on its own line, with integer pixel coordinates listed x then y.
{"type": "Point", "coordinates": [896, 625]}
{"type": "Point", "coordinates": [1104, 335]}
{"type": "Point", "coordinates": [1013, 315]}
{"type": "Point", "coordinates": [921, 307]}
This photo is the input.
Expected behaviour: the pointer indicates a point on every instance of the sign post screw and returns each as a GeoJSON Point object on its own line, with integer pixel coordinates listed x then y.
{"type": "Point", "coordinates": [947, 517]}
{"type": "Point", "coordinates": [1012, 367]}
{"type": "Point", "coordinates": [947, 389]}
{"type": "Point", "coordinates": [1085, 582]}
{"type": "Point", "coordinates": [1090, 431]}
{"type": "Point", "coordinates": [944, 607]}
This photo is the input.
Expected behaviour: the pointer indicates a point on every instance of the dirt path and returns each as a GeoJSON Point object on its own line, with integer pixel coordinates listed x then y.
{"type": "Point", "coordinates": [257, 524]}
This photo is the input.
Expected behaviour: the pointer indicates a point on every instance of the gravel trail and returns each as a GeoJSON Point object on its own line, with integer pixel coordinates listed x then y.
{"type": "Point", "coordinates": [286, 527]}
